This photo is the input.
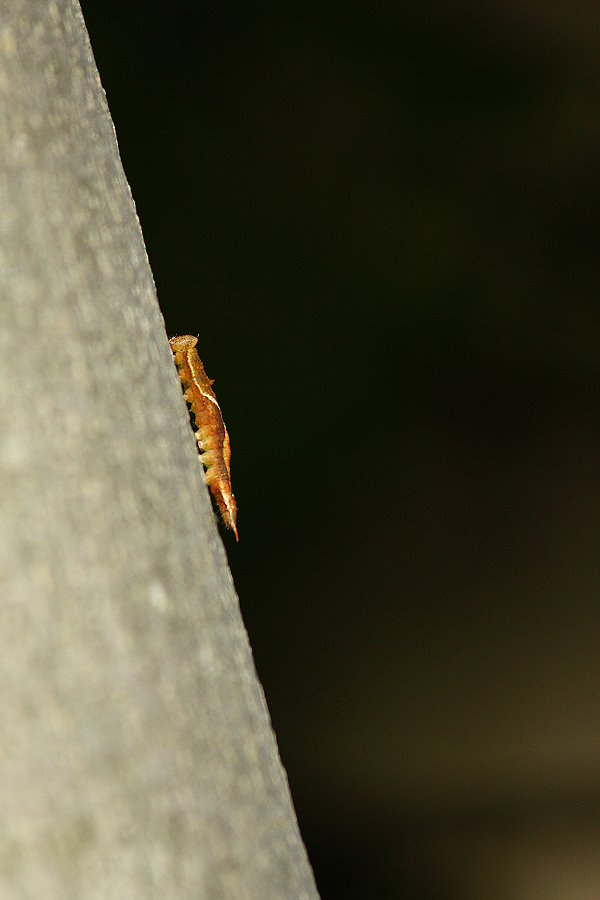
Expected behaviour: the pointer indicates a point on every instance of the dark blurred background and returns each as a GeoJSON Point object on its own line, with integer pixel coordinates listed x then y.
{"type": "Point", "coordinates": [382, 220]}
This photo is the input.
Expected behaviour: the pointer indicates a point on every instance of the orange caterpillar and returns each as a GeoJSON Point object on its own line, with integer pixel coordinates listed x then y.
{"type": "Point", "coordinates": [211, 435]}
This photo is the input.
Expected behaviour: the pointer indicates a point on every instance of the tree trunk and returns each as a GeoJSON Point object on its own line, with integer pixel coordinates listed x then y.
{"type": "Point", "coordinates": [136, 754]}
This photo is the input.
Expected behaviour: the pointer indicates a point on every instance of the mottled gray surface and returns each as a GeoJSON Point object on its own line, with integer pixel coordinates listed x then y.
{"type": "Point", "coordinates": [136, 756]}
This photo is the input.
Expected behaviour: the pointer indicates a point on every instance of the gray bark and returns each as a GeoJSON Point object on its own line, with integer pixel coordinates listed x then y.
{"type": "Point", "coordinates": [136, 754]}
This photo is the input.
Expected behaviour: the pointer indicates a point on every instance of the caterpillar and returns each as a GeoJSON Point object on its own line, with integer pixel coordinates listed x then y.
{"type": "Point", "coordinates": [212, 436]}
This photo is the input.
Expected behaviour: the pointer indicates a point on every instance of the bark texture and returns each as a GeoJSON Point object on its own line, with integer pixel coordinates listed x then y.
{"type": "Point", "coordinates": [136, 754]}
